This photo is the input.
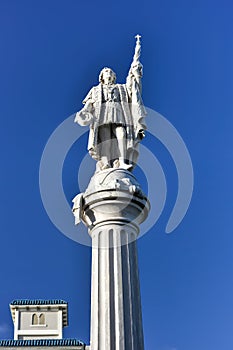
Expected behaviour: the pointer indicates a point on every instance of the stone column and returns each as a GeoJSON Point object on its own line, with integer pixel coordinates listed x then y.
{"type": "Point", "coordinates": [113, 207]}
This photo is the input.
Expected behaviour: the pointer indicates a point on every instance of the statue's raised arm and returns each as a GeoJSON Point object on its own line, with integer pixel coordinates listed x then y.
{"type": "Point", "coordinates": [134, 87]}
{"type": "Point", "coordinates": [136, 69]}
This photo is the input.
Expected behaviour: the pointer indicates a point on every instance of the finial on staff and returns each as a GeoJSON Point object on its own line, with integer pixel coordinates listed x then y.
{"type": "Point", "coordinates": [137, 52]}
{"type": "Point", "coordinates": [138, 37]}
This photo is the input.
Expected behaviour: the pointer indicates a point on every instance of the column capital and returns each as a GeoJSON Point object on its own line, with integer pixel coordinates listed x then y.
{"type": "Point", "coordinates": [113, 196]}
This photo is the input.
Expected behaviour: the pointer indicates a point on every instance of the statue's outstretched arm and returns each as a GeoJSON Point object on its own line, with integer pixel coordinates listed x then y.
{"type": "Point", "coordinates": [85, 116]}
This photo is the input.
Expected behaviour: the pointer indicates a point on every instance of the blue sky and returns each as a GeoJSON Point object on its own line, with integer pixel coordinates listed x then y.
{"type": "Point", "coordinates": [51, 54]}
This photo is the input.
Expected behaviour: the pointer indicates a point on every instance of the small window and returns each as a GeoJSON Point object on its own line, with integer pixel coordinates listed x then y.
{"type": "Point", "coordinates": [41, 319]}
{"type": "Point", "coordinates": [34, 319]}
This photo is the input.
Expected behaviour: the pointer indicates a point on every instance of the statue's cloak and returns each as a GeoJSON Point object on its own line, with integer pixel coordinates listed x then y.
{"type": "Point", "coordinates": [133, 115]}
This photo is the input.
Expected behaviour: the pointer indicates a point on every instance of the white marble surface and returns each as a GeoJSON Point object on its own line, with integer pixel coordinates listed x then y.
{"type": "Point", "coordinates": [115, 113]}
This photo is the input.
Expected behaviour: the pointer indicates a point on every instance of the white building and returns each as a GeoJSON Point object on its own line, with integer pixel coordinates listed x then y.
{"type": "Point", "coordinates": [39, 324]}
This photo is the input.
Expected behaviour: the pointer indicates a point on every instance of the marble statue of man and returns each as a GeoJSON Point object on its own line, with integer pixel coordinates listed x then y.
{"type": "Point", "coordinates": [115, 113]}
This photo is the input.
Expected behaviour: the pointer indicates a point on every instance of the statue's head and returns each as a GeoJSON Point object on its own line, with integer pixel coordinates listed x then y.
{"type": "Point", "coordinates": [107, 76]}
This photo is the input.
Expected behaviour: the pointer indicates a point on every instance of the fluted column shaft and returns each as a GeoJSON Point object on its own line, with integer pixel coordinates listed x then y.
{"type": "Point", "coordinates": [116, 320]}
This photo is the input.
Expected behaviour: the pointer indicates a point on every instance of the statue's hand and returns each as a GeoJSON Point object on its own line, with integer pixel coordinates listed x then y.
{"type": "Point", "coordinates": [83, 117]}
{"type": "Point", "coordinates": [141, 134]}
{"type": "Point", "coordinates": [137, 69]}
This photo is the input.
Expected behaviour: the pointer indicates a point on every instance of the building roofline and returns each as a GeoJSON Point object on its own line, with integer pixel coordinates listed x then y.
{"type": "Point", "coordinates": [38, 302]}
{"type": "Point", "coordinates": [41, 342]}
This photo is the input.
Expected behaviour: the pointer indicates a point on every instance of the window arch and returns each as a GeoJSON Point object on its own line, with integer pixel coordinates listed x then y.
{"type": "Point", "coordinates": [34, 319]}
{"type": "Point", "coordinates": [41, 319]}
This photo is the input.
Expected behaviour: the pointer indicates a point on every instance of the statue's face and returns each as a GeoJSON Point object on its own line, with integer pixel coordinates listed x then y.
{"type": "Point", "coordinates": [108, 76]}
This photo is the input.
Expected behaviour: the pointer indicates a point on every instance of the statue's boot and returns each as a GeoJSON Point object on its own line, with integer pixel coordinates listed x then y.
{"type": "Point", "coordinates": [104, 164]}
{"type": "Point", "coordinates": [123, 165]}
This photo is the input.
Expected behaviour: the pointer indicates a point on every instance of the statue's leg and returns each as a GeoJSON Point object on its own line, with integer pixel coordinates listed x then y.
{"type": "Point", "coordinates": [105, 145]}
{"type": "Point", "coordinates": [132, 154]}
{"type": "Point", "coordinates": [120, 133]}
